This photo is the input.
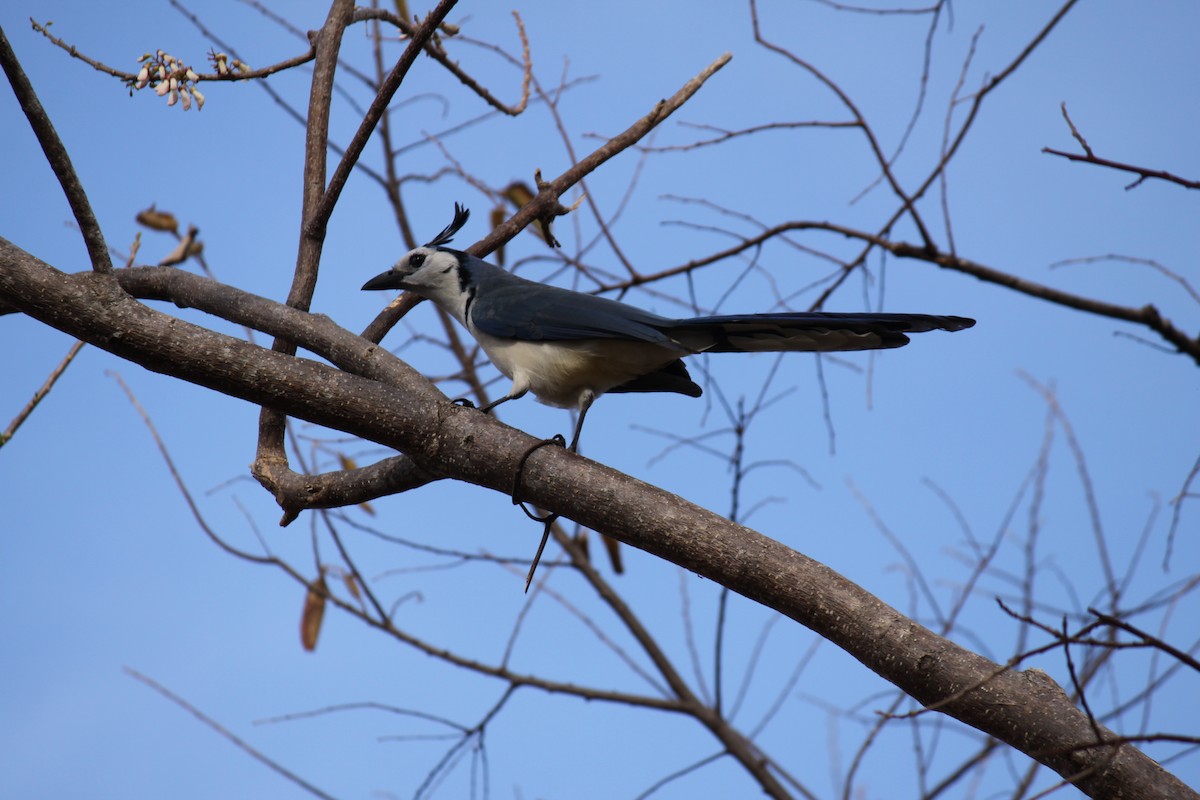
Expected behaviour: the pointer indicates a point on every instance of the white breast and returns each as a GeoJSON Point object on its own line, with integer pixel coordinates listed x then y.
{"type": "Point", "coordinates": [559, 373]}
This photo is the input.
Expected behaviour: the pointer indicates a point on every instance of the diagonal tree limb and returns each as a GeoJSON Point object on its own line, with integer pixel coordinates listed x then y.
{"type": "Point", "coordinates": [1026, 709]}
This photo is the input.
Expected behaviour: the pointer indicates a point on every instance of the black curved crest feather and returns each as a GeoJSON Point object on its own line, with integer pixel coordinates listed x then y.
{"type": "Point", "coordinates": [447, 235]}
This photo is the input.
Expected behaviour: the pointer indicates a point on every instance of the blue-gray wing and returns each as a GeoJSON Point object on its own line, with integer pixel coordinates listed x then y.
{"type": "Point", "coordinates": [521, 309]}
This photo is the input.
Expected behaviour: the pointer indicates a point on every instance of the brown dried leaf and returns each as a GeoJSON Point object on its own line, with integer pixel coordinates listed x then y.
{"type": "Point", "coordinates": [352, 585]}
{"type": "Point", "coordinates": [518, 193]}
{"type": "Point", "coordinates": [188, 246]}
{"type": "Point", "coordinates": [498, 215]}
{"type": "Point", "coordinates": [314, 613]}
{"type": "Point", "coordinates": [157, 220]}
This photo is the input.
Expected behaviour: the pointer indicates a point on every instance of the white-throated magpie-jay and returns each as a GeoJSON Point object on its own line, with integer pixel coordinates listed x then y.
{"type": "Point", "coordinates": [568, 348]}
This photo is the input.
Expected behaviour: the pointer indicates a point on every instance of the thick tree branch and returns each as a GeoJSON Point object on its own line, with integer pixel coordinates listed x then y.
{"type": "Point", "coordinates": [1026, 709]}
{"type": "Point", "coordinates": [293, 491]}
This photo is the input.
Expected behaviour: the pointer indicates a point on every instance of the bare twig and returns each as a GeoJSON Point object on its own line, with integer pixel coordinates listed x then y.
{"type": "Point", "coordinates": [1148, 262]}
{"type": "Point", "coordinates": [434, 48]}
{"type": "Point", "coordinates": [226, 733]}
{"type": "Point", "coordinates": [193, 506]}
{"type": "Point", "coordinates": [1075, 132]}
{"type": "Point", "coordinates": [40, 394]}
{"type": "Point", "coordinates": [725, 135]}
{"type": "Point", "coordinates": [131, 77]}
{"type": "Point", "coordinates": [907, 200]}
{"type": "Point", "coordinates": [1101, 541]}
{"type": "Point", "coordinates": [1185, 493]}
{"type": "Point", "coordinates": [1147, 638]}
{"type": "Point", "coordinates": [1144, 173]}
{"type": "Point", "coordinates": [1089, 157]}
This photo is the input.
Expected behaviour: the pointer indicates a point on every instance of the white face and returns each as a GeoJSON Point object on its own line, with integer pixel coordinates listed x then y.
{"type": "Point", "coordinates": [434, 274]}
{"type": "Point", "coordinates": [431, 273]}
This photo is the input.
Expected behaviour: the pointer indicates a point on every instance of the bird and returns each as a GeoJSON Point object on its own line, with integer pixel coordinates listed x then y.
{"type": "Point", "coordinates": [569, 348]}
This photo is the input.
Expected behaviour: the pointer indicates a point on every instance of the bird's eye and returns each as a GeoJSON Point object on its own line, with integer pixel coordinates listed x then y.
{"type": "Point", "coordinates": [416, 260]}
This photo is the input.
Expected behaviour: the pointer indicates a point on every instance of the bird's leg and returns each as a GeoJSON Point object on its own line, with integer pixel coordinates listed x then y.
{"type": "Point", "coordinates": [612, 545]}
{"type": "Point", "coordinates": [465, 402]}
{"type": "Point", "coordinates": [585, 402]}
{"type": "Point", "coordinates": [488, 408]}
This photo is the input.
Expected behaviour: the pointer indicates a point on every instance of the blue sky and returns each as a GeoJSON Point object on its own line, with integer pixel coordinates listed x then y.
{"type": "Point", "coordinates": [104, 567]}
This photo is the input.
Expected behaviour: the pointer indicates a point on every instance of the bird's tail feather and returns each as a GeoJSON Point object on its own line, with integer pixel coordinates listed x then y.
{"type": "Point", "coordinates": [806, 331]}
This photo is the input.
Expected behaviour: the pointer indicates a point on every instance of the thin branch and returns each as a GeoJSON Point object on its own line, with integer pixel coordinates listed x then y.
{"type": "Point", "coordinates": [724, 134]}
{"type": "Point", "coordinates": [1089, 492]}
{"type": "Point", "coordinates": [546, 202]}
{"type": "Point", "coordinates": [1075, 132]}
{"type": "Point", "coordinates": [1089, 157]}
{"type": "Point", "coordinates": [1144, 172]}
{"type": "Point", "coordinates": [131, 77]}
{"type": "Point", "coordinates": [920, 10]}
{"type": "Point", "coordinates": [1148, 262]}
{"type": "Point", "coordinates": [680, 773]}
{"type": "Point", "coordinates": [225, 732]}
{"type": "Point", "coordinates": [737, 745]}
{"type": "Point", "coordinates": [193, 506]}
{"type": "Point", "coordinates": [1185, 493]}
{"type": "Point", "coordinates": [57, 157]}
{"type": "Point", "coordinates": [1148, 315]}
{"type": "Point", "coordinates": [1148, 639]}
{"type": "Point", "coordinates": [314, 225]}
{"type": "Point", "coordinates": [433, 48]}
{"type": "Point", "coordinates": [40, 394]}
{"type": "Point", "coordinates": [908, 201]}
